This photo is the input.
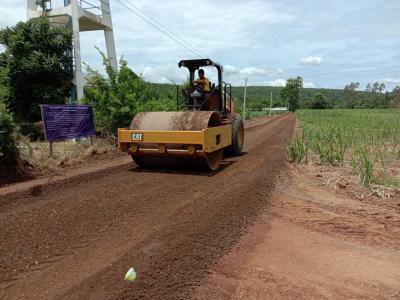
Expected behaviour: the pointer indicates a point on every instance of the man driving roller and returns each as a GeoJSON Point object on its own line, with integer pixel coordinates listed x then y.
{"type": "Point", "coordinates": [203, 81]}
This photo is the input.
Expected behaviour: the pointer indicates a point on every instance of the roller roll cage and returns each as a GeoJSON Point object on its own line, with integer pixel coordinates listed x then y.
{"type": "Point", "coordinates": [195, 64]}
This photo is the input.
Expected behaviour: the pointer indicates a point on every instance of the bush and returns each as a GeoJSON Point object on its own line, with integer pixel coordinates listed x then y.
{"type": "Point", "coordinates": [363, 166]}
{"type": "Point", "coordinates": [33, 131]}
{"type": "Point", "coordinates": [297, 150]}
{"type": "Point", "coordinates": [320, 103]}
{"type": "Point", "coordinates": [119, 96]}
{"type": "Point", "coordinates": [8, 147]}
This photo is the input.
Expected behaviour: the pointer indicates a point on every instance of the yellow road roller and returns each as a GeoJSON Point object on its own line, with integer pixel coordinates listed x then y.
{"type": "Point", "coordinates": [197, 137]}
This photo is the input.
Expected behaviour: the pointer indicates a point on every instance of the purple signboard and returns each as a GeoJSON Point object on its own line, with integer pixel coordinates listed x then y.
{"type": "Point", "coordinates": [62, 122]}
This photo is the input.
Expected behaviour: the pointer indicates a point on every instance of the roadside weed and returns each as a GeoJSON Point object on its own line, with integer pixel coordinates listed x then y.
{"type": "Point", "coordinates": [297, 150]}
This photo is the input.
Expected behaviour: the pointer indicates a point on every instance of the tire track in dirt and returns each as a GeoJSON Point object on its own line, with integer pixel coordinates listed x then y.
{"type": "Point", "coordinates": [77, 241]}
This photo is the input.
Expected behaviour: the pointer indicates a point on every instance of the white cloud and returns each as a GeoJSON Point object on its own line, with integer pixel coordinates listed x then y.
{"type": "Point", "coordinates": [309, 85]}
{"type": "Point", "coordinates": [389, 80]}
{"type": "Point", "coordinates": [251, 36]}
{"type": "Point", "coordinates": [203, 26]}
{"type": "Point", "coordinates": [163, 73]}
{"type": "Point", "coordinates": [251, 71]}
{"type": "Point", "coordinates": [256, 76]}
{"type": "Point", "coordinates": [276, 82]}
{"type": "Point", "coordinates": [311, 61]}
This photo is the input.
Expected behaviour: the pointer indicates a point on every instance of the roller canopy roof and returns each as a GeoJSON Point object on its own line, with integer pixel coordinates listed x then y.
{"type": "Point", "coordinates": [193, 64]}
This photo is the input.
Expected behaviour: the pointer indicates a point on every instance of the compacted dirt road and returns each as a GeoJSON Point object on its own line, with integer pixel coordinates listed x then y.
{"type": "Point", "coordinates": [313, 242]}
{"type": "Point", "coordinates": [260, 228]}
{"type": "Point", "coordinates": [76, 238]}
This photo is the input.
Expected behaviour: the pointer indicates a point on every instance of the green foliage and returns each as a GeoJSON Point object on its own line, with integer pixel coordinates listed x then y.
{"type": "Point", "coordinates": [297, 150]}
{"type": "Point", "coordinates": [329, 144]}
{"type": "Point", "coordinates": [291, 93]}
{"type": "Point", "coordinates": [320, 102]}
{"type": "Point", "coordinates": [8, 148]}
{"type": "Point", "coordinates": [258, 97]}
{"type": "Point", "coordinates": [395, 99]}
{"type": "Point", "coordinates": [117, 97]}
{"type": "Point", "coordinates": [363, 165]}
{"type": "Point", "coordinates": [39, 66]}
{"type": "Point", "coordinates": [351, 100]}
{"type": "Point", "coordinates": [375, 96]}
{"type": "Point", "coordinates": [366, 139]}
{"type": "Point", "coordinates": [3, 84]}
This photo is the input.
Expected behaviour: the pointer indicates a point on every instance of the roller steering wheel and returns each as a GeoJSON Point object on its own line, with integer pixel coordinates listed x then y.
{"type": "Point", "coordinates": [197, 87]}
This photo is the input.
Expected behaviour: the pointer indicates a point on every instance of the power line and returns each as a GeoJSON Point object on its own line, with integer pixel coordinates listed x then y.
{"type": "Point", "coordinates": [163, 31]}
{"type": "Point", "coordinates": [164, 27]}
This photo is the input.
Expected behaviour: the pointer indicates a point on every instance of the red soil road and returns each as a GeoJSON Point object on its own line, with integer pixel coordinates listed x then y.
{"type": "Point", "coordinates": [77, 237]}
{"type": "Point", "coordinates": [313, 242]}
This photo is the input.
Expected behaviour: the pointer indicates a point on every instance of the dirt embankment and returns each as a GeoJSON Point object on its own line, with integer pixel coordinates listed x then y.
{"type": "Point", "coordinates": [77, 238]}
{"type": "Point", "coordinates": [313, 242]}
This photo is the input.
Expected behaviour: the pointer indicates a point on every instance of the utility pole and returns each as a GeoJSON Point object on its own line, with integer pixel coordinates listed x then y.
{"type": "Point", "coordinates": [244, 99]}
{"type": "Point", "coordinates": [270, 105]}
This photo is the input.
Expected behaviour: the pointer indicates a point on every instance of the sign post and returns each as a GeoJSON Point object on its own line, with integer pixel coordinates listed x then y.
{"type": "Point", "coordinates": [63, 122]}
{"type": "Point", "coordinates": [51, 149]}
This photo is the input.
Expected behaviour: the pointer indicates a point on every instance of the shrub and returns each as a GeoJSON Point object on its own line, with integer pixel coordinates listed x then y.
{"type": "Point", "coordinates": [320, 102]}
{"type": "Point", "coordinates": [119, 96]}
{"type": "Point", "coordinates": [8, 147]}
{"type": "Point", "coordinates": [297, 150]}
{"type": "Point", "coordinates": [363, 166]}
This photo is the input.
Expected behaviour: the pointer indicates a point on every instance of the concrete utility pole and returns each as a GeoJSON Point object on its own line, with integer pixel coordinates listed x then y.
{"type": "Point", "coordinates": [79, 15]}
{"type": "Point", "coordinates": [270, 105]}
{"type": "Point", "coordinates": [244, 99]}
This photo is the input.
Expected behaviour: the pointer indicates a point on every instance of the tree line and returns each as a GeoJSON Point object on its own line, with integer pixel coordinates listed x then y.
{"type": "Point", "coordinates": [294, 96]}
{"type": "Point", "coordinates": [37, 68]}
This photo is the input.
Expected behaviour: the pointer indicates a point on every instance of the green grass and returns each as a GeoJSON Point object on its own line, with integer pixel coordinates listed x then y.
{"type": "Point", "coordinates": [367, 140]}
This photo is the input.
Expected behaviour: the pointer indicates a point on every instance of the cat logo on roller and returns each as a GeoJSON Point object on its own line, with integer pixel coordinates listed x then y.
{"type": "Point", "coordinates": [137, 137]}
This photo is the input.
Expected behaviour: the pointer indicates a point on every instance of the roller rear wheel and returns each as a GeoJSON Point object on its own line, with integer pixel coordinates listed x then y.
{"type": "Point", "coordinates": [236, 148]}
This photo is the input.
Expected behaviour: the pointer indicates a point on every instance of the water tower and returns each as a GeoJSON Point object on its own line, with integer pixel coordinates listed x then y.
{"type": "Point", "coordinates": [79, 15]}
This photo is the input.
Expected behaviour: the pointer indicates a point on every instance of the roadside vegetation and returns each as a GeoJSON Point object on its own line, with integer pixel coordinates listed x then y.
{"type": "Point", "coordinates": [368, 141]}
{"type": "Point", "coordinates": [36, 68]}
{"type": "Point", "coordinates": [10, 165]}
{"type": "Point", "coordinates": [37, 63]}
{"type": "Point", "coordinates": [117, 97]}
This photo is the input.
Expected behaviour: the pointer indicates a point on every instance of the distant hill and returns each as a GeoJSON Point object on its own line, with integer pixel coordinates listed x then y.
{"type": "Point", "coordinates": [261, 94]}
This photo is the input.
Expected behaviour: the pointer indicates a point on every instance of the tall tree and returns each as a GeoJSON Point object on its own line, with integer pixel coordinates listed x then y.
{"type": "Point", "coordinates": [291, 92]}
{"type": "Point", "coordinates": [375, 97]}
{"type": "Point", "coordinates": [39, 66]}
{"type": "Point", "coordinates": [320, 102]}
{"type": "Point", "coordinates": [351, 94]}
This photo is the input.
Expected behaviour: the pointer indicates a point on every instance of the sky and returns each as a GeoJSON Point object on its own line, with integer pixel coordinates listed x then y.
{"type": "Point", "coordinates": [328, 43]}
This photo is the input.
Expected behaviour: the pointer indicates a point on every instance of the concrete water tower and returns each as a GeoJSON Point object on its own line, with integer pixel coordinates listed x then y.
{"type": "Point", "coordinates": [79, 15]}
